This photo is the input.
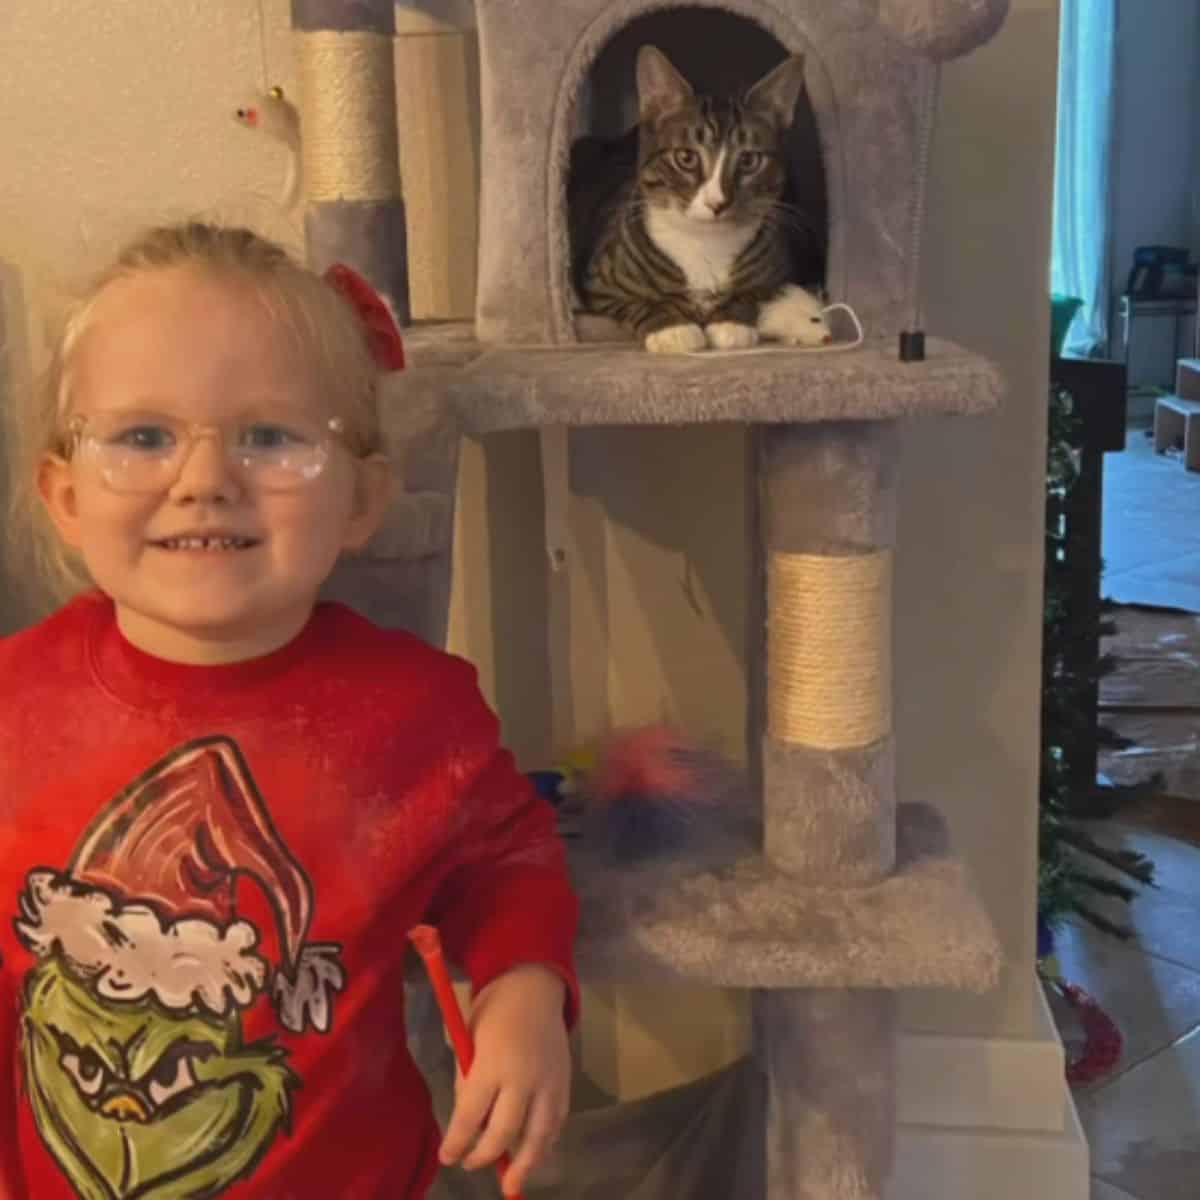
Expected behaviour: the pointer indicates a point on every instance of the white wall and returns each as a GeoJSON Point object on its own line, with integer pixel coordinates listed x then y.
{"type": "Point", "coordinates": [970, 560]}
{"type": "Point", "coordinates": [113, 115]}
{"type": "Point", "coordinates": [127, 120]}
{"type": "Point", "coordinates": [1156, 153]}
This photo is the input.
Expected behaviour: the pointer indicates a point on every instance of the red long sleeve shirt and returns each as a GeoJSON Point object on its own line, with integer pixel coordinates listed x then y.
{"type": "Point", "coordinates": [207, 875]}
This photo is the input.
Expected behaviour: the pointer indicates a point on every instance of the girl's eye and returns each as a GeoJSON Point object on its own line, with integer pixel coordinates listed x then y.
{"type": "Point", "coordinates": [750, 161]}
{"type": "Point", "coordinates": [685, 160]}
{"type": "Point", "coordinates": [269, 437]}
{"type": "Point", "coordinates": [150, 438]}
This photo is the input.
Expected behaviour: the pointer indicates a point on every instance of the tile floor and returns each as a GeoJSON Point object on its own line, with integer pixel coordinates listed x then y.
{"type": "Point", "coordinates": [1151, 542]}
{"type": "Point", "coordinates": [1152, 699]}
{"type": "Point", "coordinates": [1143, 1120]}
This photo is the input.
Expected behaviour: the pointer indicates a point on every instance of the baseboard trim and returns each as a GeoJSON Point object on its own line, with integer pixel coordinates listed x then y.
{"type": "Point", "coordinates": [989, 1164]}
{"type": "Point", "coordinates": [1011, 1083]}
{"type": "Point", "coordinates": [987, 1118]}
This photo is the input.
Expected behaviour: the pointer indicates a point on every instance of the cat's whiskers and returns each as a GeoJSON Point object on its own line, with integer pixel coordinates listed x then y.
{"type": "Point", "coordinates": [789, 216]}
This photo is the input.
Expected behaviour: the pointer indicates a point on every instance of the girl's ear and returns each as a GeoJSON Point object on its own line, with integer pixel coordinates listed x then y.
{"type": "Point", "coordinates": [56, 486]}
{"type": "Point", "coordinates": [372, 495]}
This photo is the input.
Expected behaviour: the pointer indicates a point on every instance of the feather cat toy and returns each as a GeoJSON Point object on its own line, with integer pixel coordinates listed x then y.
{"type": "Point", "coordinates": [272, 113]}
{"type": "Point", "coordinates": [646, 793]}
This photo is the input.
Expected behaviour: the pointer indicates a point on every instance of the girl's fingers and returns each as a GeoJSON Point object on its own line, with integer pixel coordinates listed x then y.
{"type": "Point", "coordinates": [503, 1127]}
{"type": "Point", "coordinates": [545, 1120]}
{"type": "Point", "coordinates": [471, 1106]}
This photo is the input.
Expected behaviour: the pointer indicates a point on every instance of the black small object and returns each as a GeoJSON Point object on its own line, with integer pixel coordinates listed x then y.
{"type": "Point", "coordinates": [1161, 273]}
{"type": "Point", "coordinates": [547, 784]}
{"type": "Point", "coordinates": [912, 345]}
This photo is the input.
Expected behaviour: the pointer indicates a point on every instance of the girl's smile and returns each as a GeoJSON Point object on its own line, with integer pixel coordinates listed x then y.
{"type": "Point", "coordinates": [205, 543]}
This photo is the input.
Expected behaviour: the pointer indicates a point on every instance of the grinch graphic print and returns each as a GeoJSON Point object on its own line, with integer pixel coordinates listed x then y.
{"type": "Point", "coordinates": [141, 1083]}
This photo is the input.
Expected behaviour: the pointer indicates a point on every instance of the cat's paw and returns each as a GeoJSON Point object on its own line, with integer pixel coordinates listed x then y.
{"type": "Point", "coordinates": [676, 339]}
{"type": "Point", "coordinates": [795, 317]}
{"type": "Point", "coordinates": [731, 335]}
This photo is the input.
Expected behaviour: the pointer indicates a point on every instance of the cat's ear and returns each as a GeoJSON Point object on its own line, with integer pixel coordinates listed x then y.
{"type": "Point", "coordinates": [661, 88]}
{"type": "Point", "coordinates": [778, 92]}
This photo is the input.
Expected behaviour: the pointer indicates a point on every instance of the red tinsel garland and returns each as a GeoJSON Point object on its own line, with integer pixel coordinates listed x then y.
{"type": "Point", "coordinates": [1102, 1040]}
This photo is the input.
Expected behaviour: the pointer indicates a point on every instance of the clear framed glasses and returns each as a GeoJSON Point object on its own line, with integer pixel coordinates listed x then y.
{"type": "Point", "coordinates": [145, 451]}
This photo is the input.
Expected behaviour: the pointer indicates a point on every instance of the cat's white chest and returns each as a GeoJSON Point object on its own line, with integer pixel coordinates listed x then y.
{"type": "Point", "coordinates": [705, 251]}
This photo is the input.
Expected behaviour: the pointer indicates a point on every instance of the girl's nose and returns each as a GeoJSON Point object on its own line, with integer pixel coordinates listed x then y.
{"type": "Point", "coordinates": [204, 472]}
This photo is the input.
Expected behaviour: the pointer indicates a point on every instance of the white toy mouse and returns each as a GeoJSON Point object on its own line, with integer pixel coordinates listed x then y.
{"type": "Point", "coordinates": [795, 317]}
{"type": "Point", "coordinates": [271, 112]}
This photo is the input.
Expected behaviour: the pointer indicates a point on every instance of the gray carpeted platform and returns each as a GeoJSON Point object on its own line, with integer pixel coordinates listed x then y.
{"type": "Point", "coordinates": [743, 924]}
{"type": "Point", "coordinates": [494, 389]}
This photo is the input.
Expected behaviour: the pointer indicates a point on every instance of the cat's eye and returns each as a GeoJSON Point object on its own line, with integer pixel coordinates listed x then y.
{"type": "Point", "coordinates": [751, 161]}
{"type": "Point", "coordinates": [685, 160]}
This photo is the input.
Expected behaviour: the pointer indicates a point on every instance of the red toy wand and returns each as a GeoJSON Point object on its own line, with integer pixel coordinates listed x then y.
{"type": "Point", "coordinates": [429, 946]}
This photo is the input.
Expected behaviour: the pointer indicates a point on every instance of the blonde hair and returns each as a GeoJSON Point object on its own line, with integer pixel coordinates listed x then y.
{"type": "Point", "coordinates": [325, 326]}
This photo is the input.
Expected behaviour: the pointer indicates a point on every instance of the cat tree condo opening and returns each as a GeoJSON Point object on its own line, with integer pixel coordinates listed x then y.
{"type": "Point", "coordinates": [721, 54]}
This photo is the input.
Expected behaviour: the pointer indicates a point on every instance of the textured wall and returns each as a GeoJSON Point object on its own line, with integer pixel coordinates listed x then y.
{"type": "Point", "coordinates": [113, 115]}
{"type": "Point", "coordinates": [1155, 185]}
{"type": "Point", "coordinates": [969, 570]}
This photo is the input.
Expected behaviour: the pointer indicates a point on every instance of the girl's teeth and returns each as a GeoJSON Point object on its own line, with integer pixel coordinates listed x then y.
{"type": "Point", "coordinates": [195, 543]}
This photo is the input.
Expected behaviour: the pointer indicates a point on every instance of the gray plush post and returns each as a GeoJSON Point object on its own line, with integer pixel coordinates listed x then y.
{"type": "Point", "coordinates": [402, 578]}
{"type": "Point", "coordinates": [829, 489]}
{"type": "Point", "coordinates": [829, 1066]}
{"type": "Point", "coordinates": [828, 492]}
{"type": "Point", "coordinates": [361, 227]}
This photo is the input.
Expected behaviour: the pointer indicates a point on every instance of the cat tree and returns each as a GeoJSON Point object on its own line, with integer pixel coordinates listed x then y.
{"type": "Point", "coordinates": [842, 897]}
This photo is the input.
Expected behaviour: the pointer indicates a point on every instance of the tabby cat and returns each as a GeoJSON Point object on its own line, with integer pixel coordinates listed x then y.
{"type": "Point", "coordinates": [692, 249]}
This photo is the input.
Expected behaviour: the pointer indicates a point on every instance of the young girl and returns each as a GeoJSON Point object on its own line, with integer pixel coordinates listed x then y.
{"type": "Point", "coordinates": [222, 804]}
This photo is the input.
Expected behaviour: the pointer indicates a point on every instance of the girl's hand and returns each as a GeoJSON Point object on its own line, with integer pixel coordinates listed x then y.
{"type": "Point", "coordinates": [519, 1085]}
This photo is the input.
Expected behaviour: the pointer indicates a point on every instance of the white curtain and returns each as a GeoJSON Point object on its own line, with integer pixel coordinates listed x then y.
{"type": "Point", "coordinates": [1079, 256]}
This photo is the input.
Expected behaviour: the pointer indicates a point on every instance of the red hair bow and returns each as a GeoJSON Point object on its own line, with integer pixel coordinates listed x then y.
{"type": "Point", "coordinates": [383, 334]}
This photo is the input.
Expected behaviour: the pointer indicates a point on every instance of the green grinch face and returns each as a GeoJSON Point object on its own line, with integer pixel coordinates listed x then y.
{"type": "Point", "coordinates": [135, 1102]}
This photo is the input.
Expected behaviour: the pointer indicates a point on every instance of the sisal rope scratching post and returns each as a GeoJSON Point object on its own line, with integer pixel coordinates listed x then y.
{"type": "Point", "coordinates": [827, 528]}
{"type": "Point", "coordinates": [828, 680]}
{"type": "Point", "coordinates": [349, 142]}
{"type": "Point", "coordinates": [349, 116]}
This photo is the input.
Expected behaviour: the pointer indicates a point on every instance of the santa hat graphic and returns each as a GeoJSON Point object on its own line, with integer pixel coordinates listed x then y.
{"type": "Point", "coordinates": [146, 906]}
